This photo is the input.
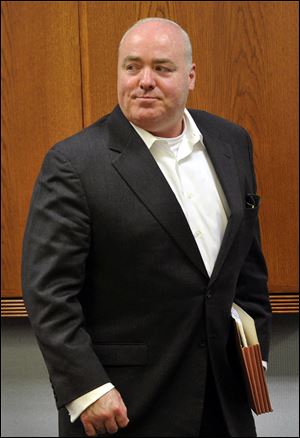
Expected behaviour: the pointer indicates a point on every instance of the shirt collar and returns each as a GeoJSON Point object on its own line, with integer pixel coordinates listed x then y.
{"type": "Point", "coordinates": [193, 133]}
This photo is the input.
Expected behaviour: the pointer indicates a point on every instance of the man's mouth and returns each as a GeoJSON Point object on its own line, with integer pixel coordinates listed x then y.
{"type": "Point", "coordinates": [146, 97]}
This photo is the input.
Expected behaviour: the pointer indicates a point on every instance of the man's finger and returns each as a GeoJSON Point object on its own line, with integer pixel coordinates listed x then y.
{"type": "Point", "coordinates": [89, 429]}
{"type": "Point", "coordinates": [111, 425]}
{"type": "Point", "coordinates": [122, 420]}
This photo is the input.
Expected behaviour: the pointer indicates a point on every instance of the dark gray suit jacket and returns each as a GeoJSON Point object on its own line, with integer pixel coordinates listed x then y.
{"type": "Point", "coordinates": [116, 288]}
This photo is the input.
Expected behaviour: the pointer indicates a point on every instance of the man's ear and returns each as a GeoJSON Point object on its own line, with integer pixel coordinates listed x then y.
{"type": "Point", "coordinates": [192, 77]}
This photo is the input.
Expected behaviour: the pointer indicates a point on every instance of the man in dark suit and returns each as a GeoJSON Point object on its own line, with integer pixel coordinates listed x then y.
{"type": "Point", "coordinates": [142, 232]}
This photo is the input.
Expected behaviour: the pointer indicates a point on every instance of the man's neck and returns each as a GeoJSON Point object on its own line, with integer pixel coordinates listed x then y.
{"type": "Point", "coordinates": [170, 132]}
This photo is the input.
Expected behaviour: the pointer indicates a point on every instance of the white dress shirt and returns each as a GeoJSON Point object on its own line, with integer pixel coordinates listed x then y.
{"type": "Point", "coordinates": [187, 168]}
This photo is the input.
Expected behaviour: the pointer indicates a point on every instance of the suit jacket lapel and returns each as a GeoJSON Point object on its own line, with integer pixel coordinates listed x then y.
{"type": "Point", "coordinates": [138, 168]}
{"type": "Point", "coordinates": [222, 158]}
{"type": "Point", "coordinates": [134, 162]}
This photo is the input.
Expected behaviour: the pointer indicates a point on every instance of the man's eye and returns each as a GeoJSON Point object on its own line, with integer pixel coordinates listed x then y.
{"type": "Point", "coordinates": [131, 67]}
{"type": "Point", "coordinates": [162, 69]}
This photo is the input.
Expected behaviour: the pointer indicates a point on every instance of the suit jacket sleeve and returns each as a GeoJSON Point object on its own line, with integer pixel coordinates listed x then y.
{"type": "Point", "coordinates": [252, 290]}
{"type": "Point", "coordinates": [55, 250]}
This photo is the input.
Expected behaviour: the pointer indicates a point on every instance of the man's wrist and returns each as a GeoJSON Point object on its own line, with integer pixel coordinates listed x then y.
{"type": "Point", "coordinates": [77, 406]}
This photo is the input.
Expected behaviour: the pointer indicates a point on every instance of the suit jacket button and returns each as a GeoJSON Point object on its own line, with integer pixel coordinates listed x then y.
{"type": "Point", "coordinates": [208, 294]}
{"type": "Point", "coordinates": [202, 344]}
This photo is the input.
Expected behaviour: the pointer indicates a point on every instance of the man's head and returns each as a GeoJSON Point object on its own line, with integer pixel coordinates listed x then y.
{"type": "Point", "coordinates": [155, 74]}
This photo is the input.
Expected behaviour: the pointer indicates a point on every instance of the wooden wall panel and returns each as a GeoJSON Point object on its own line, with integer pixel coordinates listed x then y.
{"type": "Point", "coordinates": [247, 64]}
{"type": "Point", "coordinates": [59, 73]}
{"type": "Point", "coordinates": [41, 103]}
{"type": "Point", "coordinates": [101, 27]}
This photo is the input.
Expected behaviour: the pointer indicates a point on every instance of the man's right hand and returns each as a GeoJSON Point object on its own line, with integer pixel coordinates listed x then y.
{"type": "Point", "coordinates": [105, 415]}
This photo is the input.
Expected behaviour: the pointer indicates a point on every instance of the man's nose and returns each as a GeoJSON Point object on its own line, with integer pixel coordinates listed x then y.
{"type": "Point", "coordinates": [147, 81]}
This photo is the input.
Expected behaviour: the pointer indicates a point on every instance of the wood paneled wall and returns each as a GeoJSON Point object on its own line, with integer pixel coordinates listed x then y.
{"type": "Point", "coordinates": [59, 74]}
{"type": "Point", "coordinates": [41, 103]}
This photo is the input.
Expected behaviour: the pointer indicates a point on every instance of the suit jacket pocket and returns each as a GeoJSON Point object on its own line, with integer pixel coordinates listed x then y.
{"type": "Point", "coordinates": [122, 354]}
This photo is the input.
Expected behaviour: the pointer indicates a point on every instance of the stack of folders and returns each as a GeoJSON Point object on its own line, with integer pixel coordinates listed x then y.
{"type": "Point", "coordinates": [251, 359]}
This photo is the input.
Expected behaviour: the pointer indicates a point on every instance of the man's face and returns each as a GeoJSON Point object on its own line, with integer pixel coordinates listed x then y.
{"type": "Point", "coordinates": [153, 78]}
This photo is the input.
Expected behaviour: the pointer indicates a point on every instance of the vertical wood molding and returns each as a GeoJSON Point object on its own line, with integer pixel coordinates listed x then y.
{"type": "Point", "coordinates": [84, 63]}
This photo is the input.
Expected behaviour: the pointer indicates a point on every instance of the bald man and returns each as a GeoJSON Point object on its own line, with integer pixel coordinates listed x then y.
{"type": "Point", "coordinates": [142, 232]}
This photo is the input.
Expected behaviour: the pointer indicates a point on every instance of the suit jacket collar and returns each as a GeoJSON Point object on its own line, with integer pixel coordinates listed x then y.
{"type": "Point", "coordinates": [135, 164]}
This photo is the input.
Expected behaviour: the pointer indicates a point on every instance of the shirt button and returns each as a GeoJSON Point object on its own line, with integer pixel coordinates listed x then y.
{"type": "Point", "coordinates": [189, 195]}
{"type": "Point", "coordinates": [197, 234]}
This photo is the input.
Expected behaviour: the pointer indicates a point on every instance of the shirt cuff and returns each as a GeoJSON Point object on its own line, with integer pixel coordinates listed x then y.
{"type": "Point", "coordinates": [77, 406]}
{"type": "Point", "coordinates": [265, 365]}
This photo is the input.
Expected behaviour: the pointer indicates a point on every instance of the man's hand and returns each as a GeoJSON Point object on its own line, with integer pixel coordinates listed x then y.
{"type": "Point", "coordinates": [105, 415]}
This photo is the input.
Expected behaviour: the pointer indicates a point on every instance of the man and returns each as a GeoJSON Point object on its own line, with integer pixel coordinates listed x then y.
{"type": "Point", "coordinates": [142, 232]}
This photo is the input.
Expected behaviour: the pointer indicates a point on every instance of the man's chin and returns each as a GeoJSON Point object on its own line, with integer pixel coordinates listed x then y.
{"type": "Point", "coordinates": [147, 120]}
